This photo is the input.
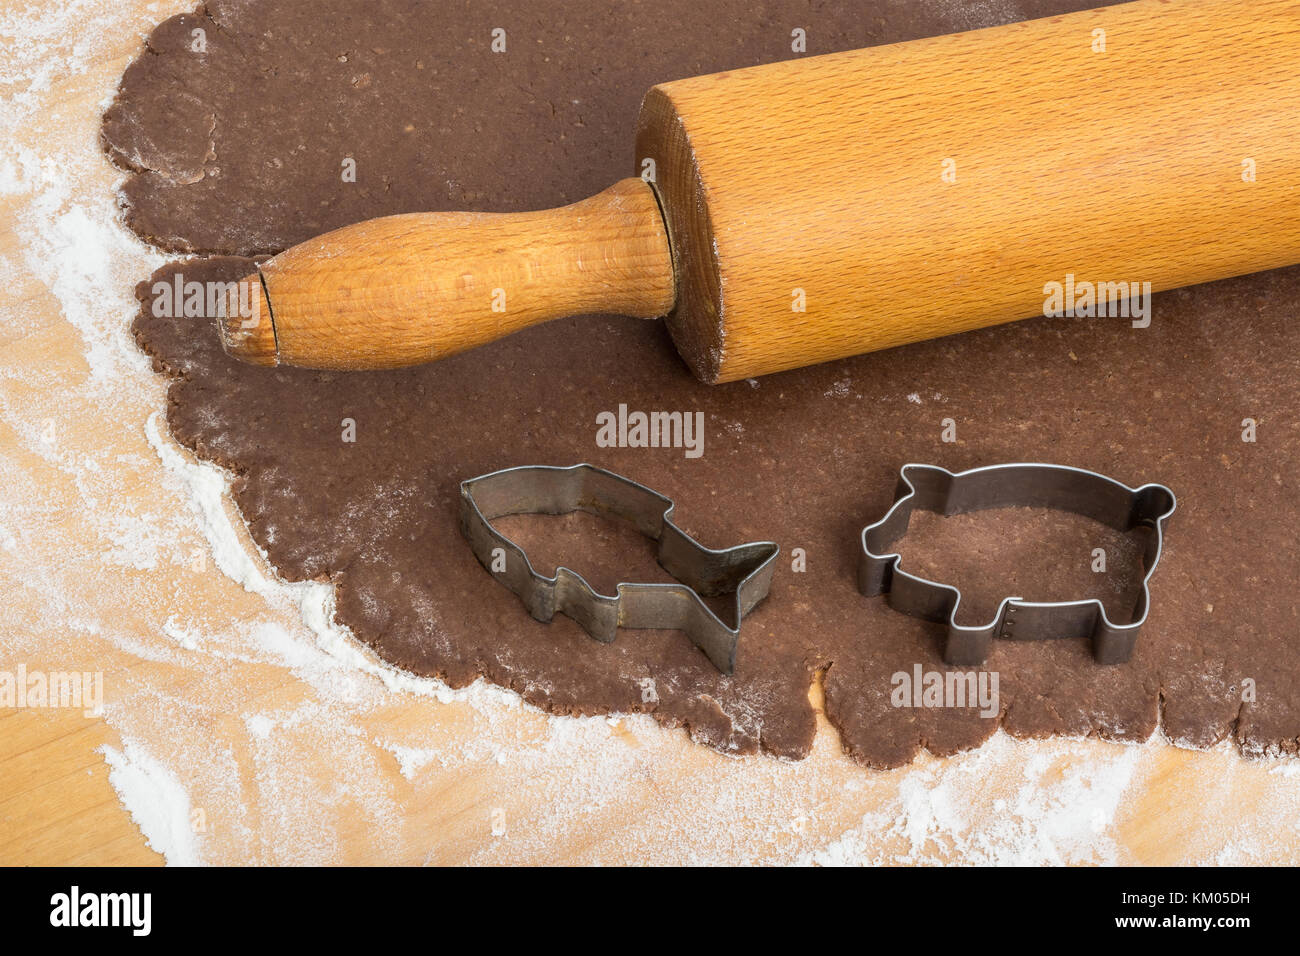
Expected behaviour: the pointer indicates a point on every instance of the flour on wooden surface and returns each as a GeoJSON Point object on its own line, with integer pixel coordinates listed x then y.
{"type": "Point", "coordinates": [156, 801]}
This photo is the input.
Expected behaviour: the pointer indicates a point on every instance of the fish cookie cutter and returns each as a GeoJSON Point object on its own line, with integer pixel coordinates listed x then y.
{"type": "Point", "coordinates": [745, 570]}
{"type": "Point", "coordinates": [1060, 487]}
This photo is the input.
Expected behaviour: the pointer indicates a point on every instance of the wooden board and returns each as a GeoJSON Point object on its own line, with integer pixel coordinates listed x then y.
{"type": "Point", "coordinates": [237, 737]}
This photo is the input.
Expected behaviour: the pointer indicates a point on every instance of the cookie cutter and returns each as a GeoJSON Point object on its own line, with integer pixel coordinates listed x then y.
{"type": "Point", "coordinates": [543, 489]}
{"type": "Point", "coordinates": [1059, 487]}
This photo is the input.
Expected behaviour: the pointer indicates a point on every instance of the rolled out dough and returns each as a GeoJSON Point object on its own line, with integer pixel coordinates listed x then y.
{"type": "Point", "coordinates": [237, 150]}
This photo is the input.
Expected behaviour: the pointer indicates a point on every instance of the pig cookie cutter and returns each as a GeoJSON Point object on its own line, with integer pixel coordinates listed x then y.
{"type": "Point", "coordinates": [1059, 487]}
{"type": "Point", "coordinates": [745, 570]}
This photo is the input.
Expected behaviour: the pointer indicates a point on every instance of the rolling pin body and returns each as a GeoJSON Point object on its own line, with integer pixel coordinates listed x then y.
{"type": "Point", "coordinates": [823, 207]}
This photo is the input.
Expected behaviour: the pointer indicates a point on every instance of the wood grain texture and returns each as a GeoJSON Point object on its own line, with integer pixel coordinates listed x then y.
{"type": "Point", "coordinates": [401, 290]}
{"type": "Point", "coordinates": [826, 175]}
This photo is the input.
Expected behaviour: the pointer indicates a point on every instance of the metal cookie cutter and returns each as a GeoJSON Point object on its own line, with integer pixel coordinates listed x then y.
{"type": "Point", "coordinates": [1013, 485]}
{"type": "Point", "coordinates": [542, 489]}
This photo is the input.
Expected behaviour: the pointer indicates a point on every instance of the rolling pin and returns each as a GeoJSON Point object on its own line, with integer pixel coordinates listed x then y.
{"type": "Point", "coordinates": [817, 208]}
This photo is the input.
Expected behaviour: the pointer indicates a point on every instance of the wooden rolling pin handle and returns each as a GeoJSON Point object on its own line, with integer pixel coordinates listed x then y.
{"type": "Point", "coordinates": [401, 290]}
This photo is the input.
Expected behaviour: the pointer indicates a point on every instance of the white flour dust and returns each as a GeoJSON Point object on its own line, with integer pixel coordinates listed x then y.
{"type": "Point", "coordinates": [156, 801]}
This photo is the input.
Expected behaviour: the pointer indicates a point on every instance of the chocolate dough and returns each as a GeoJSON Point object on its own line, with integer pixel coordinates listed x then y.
{"type": "Point", "coordinates": [238, 150]}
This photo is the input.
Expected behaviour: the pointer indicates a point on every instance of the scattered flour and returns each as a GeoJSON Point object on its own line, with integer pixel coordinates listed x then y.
{"type": "Point", "coordinates": [1059, 809]}
{"type": "Point", "coordinates": [156, 801]}
{"type": "Point", "coordinates": [411, 760]}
